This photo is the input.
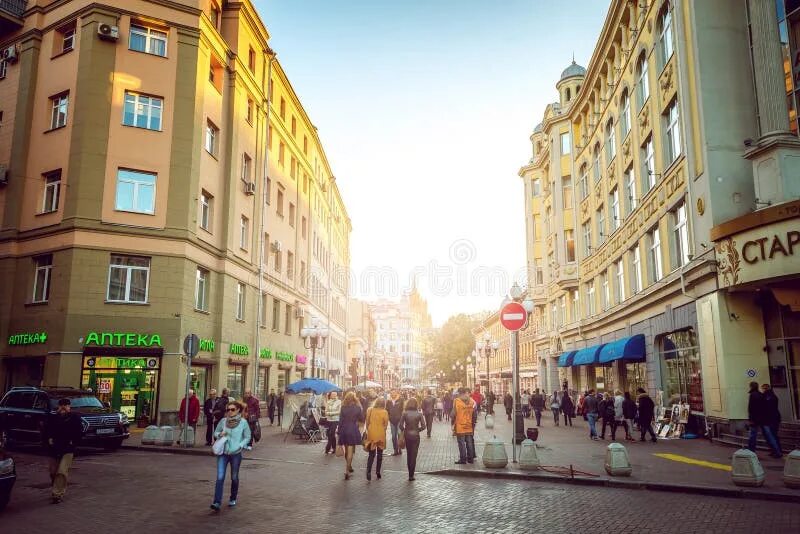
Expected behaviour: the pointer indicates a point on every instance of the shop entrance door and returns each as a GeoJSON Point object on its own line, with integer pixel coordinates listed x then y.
{"type": "Point", "coordinates": [127, 384]}
{"type": "Point", "coordinates": [793, 357]}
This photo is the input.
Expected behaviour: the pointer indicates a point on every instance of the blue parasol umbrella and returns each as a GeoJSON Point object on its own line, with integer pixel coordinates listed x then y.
{"type": "Point", "coordinates": [318, 386]}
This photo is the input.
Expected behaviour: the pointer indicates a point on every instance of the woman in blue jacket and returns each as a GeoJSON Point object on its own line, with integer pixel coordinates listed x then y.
{"type": "Point", "coordinates": [234, 427]}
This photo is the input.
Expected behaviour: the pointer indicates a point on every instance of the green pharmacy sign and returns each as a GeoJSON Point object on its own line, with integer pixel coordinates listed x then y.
{"type": "Point", "coordinates": [285, 356]}
{"type": "Point", "coordinates": [123, 339]}
{"type": "Point", "coordinates": [207, 345]}
{"type": "Point", "coordinates": [241, 350]}
{"type": "Point", "coordinates": [27, 339]}
{"type": "Point", "coordinates": [266, 354]}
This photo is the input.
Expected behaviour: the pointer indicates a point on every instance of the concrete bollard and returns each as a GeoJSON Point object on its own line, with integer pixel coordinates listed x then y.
{"type": "Point", "coordinates": [166, 436]}
{"type": "Point", "coordinates": [791, 470]}
{"type": "Point", "coordinates": [494, 454]}
{"type": "Point", "coordinates": [617, 462]}
{"type": "Point", "coordinates": [150, 435]}
{"type": "Point", "coordinates": [746, 469]}
{"type": "Point", "coordinates": [529, 456]}
{"type": "Point", "coordinates": [489, 421]}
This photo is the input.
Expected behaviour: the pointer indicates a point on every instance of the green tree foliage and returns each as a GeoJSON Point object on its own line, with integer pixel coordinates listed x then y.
{"type": "Point", "coordinates": [453, 342]}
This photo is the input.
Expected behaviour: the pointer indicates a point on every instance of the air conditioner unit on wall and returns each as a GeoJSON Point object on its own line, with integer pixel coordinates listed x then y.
{"type": "Point", "coordinates": [250, 188]}
{"type": "Point", "coordinates": [10, 54]}
{"type": "Point", "coordinates": [107, 32]}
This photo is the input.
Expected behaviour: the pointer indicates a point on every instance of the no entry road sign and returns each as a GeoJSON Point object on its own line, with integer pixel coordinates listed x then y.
{"type": "Point", "coordinates": [513, 316]}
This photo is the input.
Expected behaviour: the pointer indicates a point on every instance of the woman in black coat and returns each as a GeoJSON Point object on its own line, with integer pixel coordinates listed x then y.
{"type": "Point", "coordinates": [411, 424]}
{"type": "Point", "coordinates": [567, 408]}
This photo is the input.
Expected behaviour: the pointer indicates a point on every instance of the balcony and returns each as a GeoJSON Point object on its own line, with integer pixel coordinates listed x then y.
{"type": "Point", "coordinates": [11, 12]}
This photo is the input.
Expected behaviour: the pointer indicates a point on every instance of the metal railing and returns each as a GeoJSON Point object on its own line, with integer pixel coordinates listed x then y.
{"type": "Point", "coordinates": [14, 7]}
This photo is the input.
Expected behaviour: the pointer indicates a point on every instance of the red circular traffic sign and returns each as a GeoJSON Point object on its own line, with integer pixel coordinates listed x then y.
{"type": "Point", "coordinates": [513, 316]}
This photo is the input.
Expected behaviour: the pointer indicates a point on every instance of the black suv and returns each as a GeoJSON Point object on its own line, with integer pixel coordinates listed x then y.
{"type": "Point", "coordinates": [24, 412]}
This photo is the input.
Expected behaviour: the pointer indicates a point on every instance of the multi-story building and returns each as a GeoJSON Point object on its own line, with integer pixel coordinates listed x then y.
{"type": "Point", "coordinates": [634, 174]}
{"type": "Point", "coordinates": [160, 177]}
{"type": "Point", "coordinates": [360, 340]}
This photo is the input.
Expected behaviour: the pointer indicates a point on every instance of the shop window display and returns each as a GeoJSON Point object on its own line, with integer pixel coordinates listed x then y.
{"type": "Point", "coordinates": [682, 376]}
{"type": "Point", "coordinates": [129, 385]}
{"type": "Point", "coordinates": [236, 381]}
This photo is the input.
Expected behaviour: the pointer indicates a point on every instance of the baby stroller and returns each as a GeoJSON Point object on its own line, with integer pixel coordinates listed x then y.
{"type": "Point", "coordinates": [305, 426]}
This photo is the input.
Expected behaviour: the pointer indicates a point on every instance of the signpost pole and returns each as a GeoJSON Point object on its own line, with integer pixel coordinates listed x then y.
{"type": "Point", "coordinates": [514, 386]}
{"type": "Point", "coordinates": [191, 346]}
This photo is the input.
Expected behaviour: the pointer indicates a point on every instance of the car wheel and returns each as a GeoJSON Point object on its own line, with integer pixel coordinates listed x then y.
{"type": "Point", "coordinates": [113, 445]}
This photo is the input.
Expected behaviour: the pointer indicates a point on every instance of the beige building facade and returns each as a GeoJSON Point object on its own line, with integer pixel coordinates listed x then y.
{"type": "Point", "coordinates": [161, 177]}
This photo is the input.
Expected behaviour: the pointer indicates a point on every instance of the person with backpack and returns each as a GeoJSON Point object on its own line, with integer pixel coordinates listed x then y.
{"type": "Point", "coordinates": [629, 414]}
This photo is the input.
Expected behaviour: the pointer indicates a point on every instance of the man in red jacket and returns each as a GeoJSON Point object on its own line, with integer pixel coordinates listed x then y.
{"type": "Point", "coordinates": [477, 397]}
{"type": "Point", "coordinates": [194, 411]}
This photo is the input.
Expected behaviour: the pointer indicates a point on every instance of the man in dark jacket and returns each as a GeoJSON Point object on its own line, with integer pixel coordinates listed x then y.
{"type": "Point", "coordinates": [63, 431]}
{"type": "Point", "coordinates": [395, 409]}
{"type": "Point", "coordinates": [508, 402]}
{"type": "Point", "coordinates": [271, 406]}
{"type": "Point", "coordinates": [773, 412]}
{"type": "Point", "coordinates": [757, 412]}
{"type": "Point", "coordinates": [537, 403]}
{"type": "Point", "coordinates": [590, 408]}
{"type": "Point", "coordinates": [279, 407]}
{"type": "Point", "coordinates": [220, 406]}
{"type": "Point", "coordinates": [647, 411]}
{"type": "Point", "coordinates": [208, 412]}
{"type": "Point", "coordinates": [490, 400]}
{"type": "Point", "coordinates": [428, 408]}
{"type": "Point", "coordinates": [606, 409]}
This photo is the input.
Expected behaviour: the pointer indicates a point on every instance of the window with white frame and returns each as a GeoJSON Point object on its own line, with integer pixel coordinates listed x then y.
{"type": "Point", "coordinates": [672, 130]}
{"type": "Point", "coordinates": [605, 296]}
{"type": "Point", "coordinates": [665, 42]}
{"type": "Point", "coordinates": [201, 290]}
{"type": "Point", "coordinates": [590, 310]}
{"type": "Point", "coordinates": [625, 115]}
{"type": "Point", "coordinates": [142, 111]}
{"type": "Point", "coordinates": [277, 262]}
{"type": "Point", "coordinates": [206, 210]}
{"type": "Point", "coordinates": [574, 311]}
{"type": "Point", "coordinates": [596, 164]}
{"type": "Point", "coordinates": [600, 217]}
{"type": "Point", "coordinates": [247, 166]}
{"type": "Point", "coordinates": [613, 198]}
{"type": "Point", "coordinates": [136, 191]}
{"type": "Point", "coordinates": [611, 142]}
{"type": "Point", "coordinates": [569, 244]}
{"type": "Point", "coordinates": [212, 138]}
{"type": "Point", "coordinates": [586, 232]}
{"type": "Point", "coordinates": [279, 201]}
{"type": "Point", "coordinates": [656, 269]}
{"type": "Point", "coordinates": [244, 232]}
{"type": "Point", "coordinates": [148, 40]}
{"type": "Point", "coordinates": [127, 279]}
{"type": "Point", "coordinates": [241, 296]}
{"type": "Point", "coordinates": [584, 184]}
{"type": "Point", "coordinates": [59, 105]}
{"type": "Point", "coordinates": [642, 82]}
{"type": "Point", "coordinates": [536, 187]}
{"type": "Point", "coordinates": [680, 235]}
{"type": "Point", "coordinates": [648, 166]}
{"type": "Point", "coordinates": [67, 39]}
{"type": "Point", "coordinates": [636, 269]}
{"type": "Point", "coordinates": [630, 191]}
{"type": "Point", "coordinates": [554, 315]}
{"type": "Point", "coordinates": [292, 214]}
{"type": "Point", "coordinates": [620, 273]}
{"type": "Point", "coordinates": [565, 143]}
{"type": "Point", "coordinates": [43, 267]}
{"type": "Point", "coordinates": [539, 272]}
{"type": "Point", "coordinates": [52, 191]}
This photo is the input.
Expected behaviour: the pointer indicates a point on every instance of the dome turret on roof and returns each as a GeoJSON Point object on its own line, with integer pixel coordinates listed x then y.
{"type": "Point", "coordinates": [573, 70]}
{"type": "Point", "coordinates": [538, 128]}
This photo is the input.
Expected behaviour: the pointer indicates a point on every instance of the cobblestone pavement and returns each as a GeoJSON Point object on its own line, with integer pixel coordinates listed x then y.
{"type": "Point", "coordinates": [171, 493]}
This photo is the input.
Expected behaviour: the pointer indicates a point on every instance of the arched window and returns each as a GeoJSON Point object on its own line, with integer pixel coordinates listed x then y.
{"type": "Point", "coordinates": [625, 114]}
{"type": "Point", "coordinates": [596, 163]}
{"type": "Point", "coordinates": [611, 143]}
{"type": "Point", "coordinates": [642, 83]}
{"type": "Point", "coordinates": [665, 41]}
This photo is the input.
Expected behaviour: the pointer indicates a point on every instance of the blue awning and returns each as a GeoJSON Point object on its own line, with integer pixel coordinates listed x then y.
{"type": "Point", "coordinates": [587, 356]}
{"type": "Point", "coordinates": [628, 348]}
{"type": "Point", "coordinates": [565, 360]}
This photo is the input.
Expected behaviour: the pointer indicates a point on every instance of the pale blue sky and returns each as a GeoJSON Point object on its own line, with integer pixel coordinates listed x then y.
{"type": "Point", "coordinates": [425, 109]}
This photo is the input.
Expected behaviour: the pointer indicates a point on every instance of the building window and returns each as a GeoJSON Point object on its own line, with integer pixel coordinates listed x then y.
{"type": "Point", "coordinates": [554, 315]}
{"type": "Point", "coordinates": [586, 231]}
{"type": "Point", "coordinates": [656, 270]}
{"type": "Point", "coordinates": [574, 305]}
{"type": "Point", "coordinates": [642, 83]}
{"type": "Point", "coordinates": [636, 269]}
{"type": "Point", "coordinates": [584, 181]}
{"type": "Point", "coordinates": [241, 295]}
{"type": "Point", "coordinates": [244, 232]}
{"type": "Point", "coordinates": [673, 133]}
{"type": "Point", "coordinates": [247, 165]}
{"type": "Point", "coordinates": [251, 60]}
{"type": "Point", "coordinates": [269, 191]}
{"type": "Point", "coordinates": [665, 43]}
{"type": "Point", "coordinates": [206, 205]}
{"type": "Point", "coordinates": [294, 126]}
{"type": "Point", "coordinates": [276, 314]}
{"type": "Point", "coordinates": [214, 15]}
{"type": "Point", "coordinates": [569, 242]}
{"type": "Point", "coordinates": [630, 191]}
{"type": "Point", "coordinates": [277, 261]}
{"type": "Point", "coordinates": [613, 199]}
{"type": "Point", "coordinates": [281, 153]}
{"type": "Point", "coordinates": [680, 235]}
{"type": "Point", "coordinates": [620, 289]}
{"type": "Point", "coordinates": [606, 294]}
{"type": "Point", "coordinates": [563, 306]}
{"type": "Point", "coordinates": [249, 115]}
{"type": "Point", "coordinates": [127, 279]}
{"type": "Point", "coordinates": [287, 319]}
{"type": "Point", "coordinates": [148, 40]}
{"type": "Point", "coordinates": [303, 227]}
{"type": "Point", "coordinates": [68, 40]}
{"type": "Point", "coordinates": [201, 290]}
{"type": "Point", "coordinates": [566, 190]}
{"type": "Point", "coordinates": [290, 265]}
{"type": "Point", "coordinates": [590, 298]}
{"type": "Point", "coordinates": [565, 143]}
{"type": "Point", "coordinates": [293, 168]}
{"type": "Point", "coordinates": [136, 191]}
{"type": "Point", "coordinates": [611, 142]}
{"type": "Point", "coordinates": [648, 166]}
{"type": "Point", "coordinates": [283, 109]}
{"type": "Point", "coordinates": [302, 274]}
{"type": "Point", "coordinates": [279, 202]}
{"type": "Point", "coordinates": [625, 116]}
{"type": "Point", "coordinates": [212, 138]}
{"type": "Point", "coordinates": [142, 111]}
{"type": "Point", "coordinates": [600, 217]}
{"type": "Point", "coordinates": [305, 145]}
{"type": "Point", "coordinates": [52, 191]}
{"type": "Point", "coordinates": [536, 187]}
{"type": "Point", "coordinates": [596, 164]}
{"type": "Point", "coordinates": [43, 266]}
{"type": "Point", "coordinates": [539, 274]}
{"type": "Point", "coordinates": [59, 105]}
{"type": "Point", "coordinates": [291, 214]}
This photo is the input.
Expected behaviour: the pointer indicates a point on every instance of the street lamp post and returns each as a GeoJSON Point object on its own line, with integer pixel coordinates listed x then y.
{"type": "Point", "coordinates": [517, 294]}
{"type": "Point", "coordinates": [488, 347]}
{"type": "Point", "coordinates": [314, 337]}
{"type": "Point", "coordinates": [457, 368]}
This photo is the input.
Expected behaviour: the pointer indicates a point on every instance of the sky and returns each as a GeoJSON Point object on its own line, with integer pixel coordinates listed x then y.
{"type": "Point", "coordinates": [425, 109]}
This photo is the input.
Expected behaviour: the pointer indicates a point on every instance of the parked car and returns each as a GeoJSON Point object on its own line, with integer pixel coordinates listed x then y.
{"type": "Point", "coordinates": [8, 475]}
{"type": "Point", "coordinates": [24, 412]}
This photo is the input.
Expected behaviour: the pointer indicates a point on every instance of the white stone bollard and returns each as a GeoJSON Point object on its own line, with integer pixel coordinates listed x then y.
{"type": "Point", "coordinates": [617, 462]}
{"type": "Point", "coordinates": [528, 456]}
{"type": "Point", "coordinates": [494, 454]}
{"type": "Point", "coordinates": [166, 436]}
{"type": "Point", "coordinates": [746, 469]}
{"type": "Point", "coordinates": [150, 435]}
{"type": "Point", "coordinates": [791, 470]}
{"type": "Point", "coordinates": [489, 421]}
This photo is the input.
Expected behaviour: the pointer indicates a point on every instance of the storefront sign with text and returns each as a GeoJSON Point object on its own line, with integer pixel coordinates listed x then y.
{"type": "Point", "coordinates": [27, 339]}
{"type": "Point", "coordinates": [285, 356]}
{"type": "Point", "coordinates": [206, 345]}
{"type": "Point", "coordinates": [300, 359]}
{"type": "Point", "coordinates": [758, 254]}
{"type": "Point", "coordinates": [241, 350]}
{"type": "Point", "coordinates": [266, 354]}
{"type": "Point", "coordinates": [123, 339]}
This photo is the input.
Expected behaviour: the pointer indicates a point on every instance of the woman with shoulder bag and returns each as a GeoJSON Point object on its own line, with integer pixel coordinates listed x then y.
{"type": "Point", "coordinates": [411, 424]}
{"type": "Point", "coordinates": [349, 435]}
{"type": "Point", "coordinates": [235, 430]}
{"type": "Point", "coordinates": [377, 422]}
{"type": "Point", "coordinates": [555, 406]}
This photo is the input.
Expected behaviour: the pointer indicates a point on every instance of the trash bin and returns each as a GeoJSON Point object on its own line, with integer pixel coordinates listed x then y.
{"type": "Point", "coordinates": [494, 453]}
{"type": "Point", "coordinates": [529, 456]}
